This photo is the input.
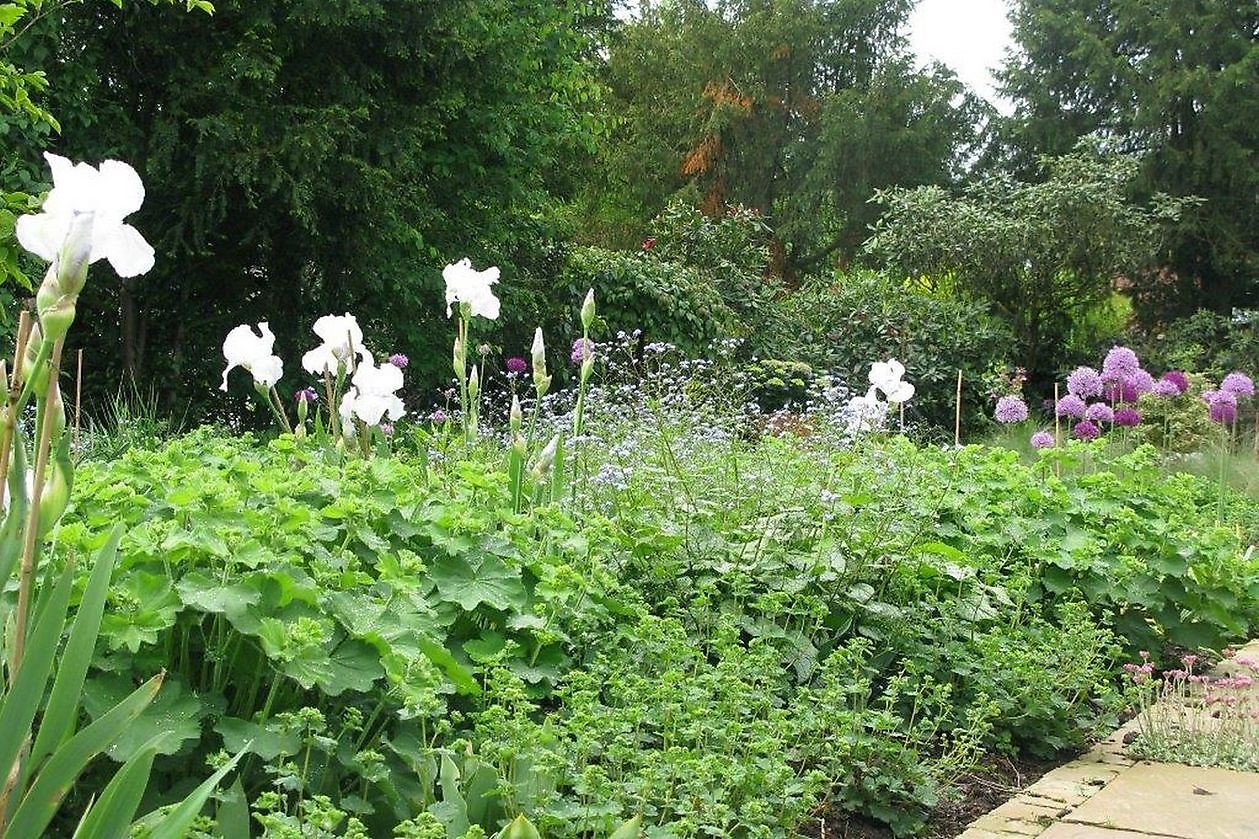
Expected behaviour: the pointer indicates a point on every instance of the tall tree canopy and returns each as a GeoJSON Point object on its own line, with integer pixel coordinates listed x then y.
{"type": "Point", "coordinates": [1175, 81]}
{"type": "Point", "coordinates": [314, 156]}
{"type": "Point", "coordinates": [1041, 253]}
{"type": "Point", "coordinates": [800, 109]}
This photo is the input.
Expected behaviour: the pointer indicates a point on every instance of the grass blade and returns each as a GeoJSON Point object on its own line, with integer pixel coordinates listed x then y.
{"type": "Point", "coordinates": [61, 714]}
{"type": "Point", "coordinates": [176, 822]}
{"type": "Point", "coordinates": [112, 813]}
{"type": "Point", "coordinates": [55, 777]}
{"type": "Point", "coordinates": [22, 702]}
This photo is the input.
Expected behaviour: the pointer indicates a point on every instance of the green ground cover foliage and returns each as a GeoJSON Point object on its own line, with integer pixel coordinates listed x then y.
{"type": "Point", "coordinates": [723, 635]}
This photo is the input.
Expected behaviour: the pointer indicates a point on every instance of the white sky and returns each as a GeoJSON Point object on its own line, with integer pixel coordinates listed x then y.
{"type": "Point", "coordinates": [970, 36]}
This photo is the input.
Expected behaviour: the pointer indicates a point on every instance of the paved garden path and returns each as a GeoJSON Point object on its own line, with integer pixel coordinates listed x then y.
{"type": "Point", "coordinates": [1105, 794]}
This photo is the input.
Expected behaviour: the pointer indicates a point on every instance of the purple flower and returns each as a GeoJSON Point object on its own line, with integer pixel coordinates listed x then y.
{"type": "Point", "coordinates": [1085, 430]}
{"type": "Point", "coordinates": [1179, 379]}
{"type": "Point", "coordinates": [438, 416]}
{"type": "Point", "coordinates": [1120, 364]}
{"type": "Point", "coordinates": [1141, 382]}
{"type": "Point", "coordinates": [516, 365]}
{"type": "Point", "coordinates": [1221, 405]}
{"type": "Point", "coordinates": [386, 428]}
{"type": "Point", "coordinates": [1084, 382]}
{"type": "Point", "coordinates": [1165, 387]}
{"type": "Point", "coordinates": [1071, 406]}
{"type": "Point", "coordinates": [1127, 417]}
{"type": "Point", "coordinates": [1238, 384]}
{"type": "Point", "coordinates": [1099, 412]}
{"type": "Point", "coordinates": [583, 348]}
{"type": "Point", "coordinates": [1043, 440]}
{"type": "Point", "coordinates": [399, 360]}
{"type": "Point", "coordinates": [1011, 409]}
{"type": "Point", "coordinates": [306, 394]}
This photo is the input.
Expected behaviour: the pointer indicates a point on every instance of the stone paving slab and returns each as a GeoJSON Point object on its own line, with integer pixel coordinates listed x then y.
{"type": "Point", "coordinates": [1064, 830]}
{"type": "Point", "coordinates": [1106, 794]}
{"type": "Point", "coordinates": [1193, 802]}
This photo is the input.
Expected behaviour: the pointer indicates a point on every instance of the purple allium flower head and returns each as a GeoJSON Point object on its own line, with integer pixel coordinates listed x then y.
{"type": "Point", "coordinates": [1165, 387]}
{"type": "Point", "coordinates": [516, 365]}
{"type": "Point", "coordinates": [438, 416]}
{"type": "Point", "coordinates": [1085, 430]}
{"type": "Point", "coordinates": [1179, 379]}
{"type": "Point", "coordinates": [583, 348]}
{"type": "Point", "coordinates": [1099, 412]}
{"type": "Point", "coordinates": [386, 428]}
{"type": "Point", "coordinates": [1127, 417]}
{"type": "Point", "coordinates": [1238, 384]}
{"type": "Point", "coordinates": [399, 360]}
{"type": "Point", "coordinates": [306, 394]}
{"type": "Point", "coordinates": [1221, 405]}
{"type": "Point", "coordinates": [1071, 406]}
{"type": "Point", "coordinates": [1120, 364]}
{"type": "Point", "coordinates": [1084, 382]}
{"type": "Point", "coordinates": [1011, 409]}
{"type": "Point", "coordinates": [1141, 382]}
{"type": "Point", "coordinates": [1043, 440]}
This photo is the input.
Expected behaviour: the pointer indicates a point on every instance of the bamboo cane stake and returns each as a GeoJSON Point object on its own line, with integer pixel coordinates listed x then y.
{"type": "Point", "coordinates": [78, 400]}
{"type": "Point", "coordinates": [957, 412]}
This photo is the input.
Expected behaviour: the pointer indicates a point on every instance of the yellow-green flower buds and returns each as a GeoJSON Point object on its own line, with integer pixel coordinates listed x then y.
{"type": "Point", "coordinates": [516, 416]}
{"type": "Point", "coordinates": [36, 375]}
{"type": "Point", "coordinates": [474, 385]}
{"type": "Point", "coordinates": [55, 496]}
{"type": "Point", "coordinates": [459, 359]}
{"type": "Point", "coordinates": [76, 254]}
{"type": "Point", "coordinates": [588, 310]}
{"type": "Point", "coordinates": [541, 381]}
{"type": "Point", "coordinates": [54, 306]}
{"type": "Point", "coordinates": [546, 459]}
{"type": "Point", "coordinates": [57, 408]}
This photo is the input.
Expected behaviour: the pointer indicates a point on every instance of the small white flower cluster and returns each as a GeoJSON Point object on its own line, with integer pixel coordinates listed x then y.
{"type": "Point", "coordinates": [372, 394]}
{"type": "Point", "coordinates": [868, 412]}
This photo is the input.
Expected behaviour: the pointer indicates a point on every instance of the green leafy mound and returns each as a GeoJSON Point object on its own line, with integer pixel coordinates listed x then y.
{"type": "Point", "coordinates": [726, 639]}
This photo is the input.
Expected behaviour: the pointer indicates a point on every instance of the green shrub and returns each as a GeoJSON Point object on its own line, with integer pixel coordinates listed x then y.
{"type": "Point", "coordinates": [1206, 342]}
{"type": "Point", "coordinates": [845, 322]}
{"type": "Point", "coordinates": [669, 302]}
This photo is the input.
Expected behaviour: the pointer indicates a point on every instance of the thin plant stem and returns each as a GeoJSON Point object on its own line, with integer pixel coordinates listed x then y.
{"type": "Point", "coordinates": [11, 409]}
{"type": "Point", "coordinates": [278, 407]}
{"type": "Point", "coordinates": [31, 536]}
{"type": "Point", "coordinates": [78, 399]}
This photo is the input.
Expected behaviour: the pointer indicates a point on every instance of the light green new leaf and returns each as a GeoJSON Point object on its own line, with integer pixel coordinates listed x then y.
{"type": "Point", "coordinates": [632, 829]}
{"type": "Point", "coordinates": [521, 828]}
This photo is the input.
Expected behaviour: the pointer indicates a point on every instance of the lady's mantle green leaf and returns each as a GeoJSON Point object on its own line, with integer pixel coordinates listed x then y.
{"type": "Point", "coordinates": [172, 719]}
{"type": "Point", "coordinates": [268, 742]}
{"type": "Point", "coordinates": [201, 591]}
{"type": "Point", "coordinates": [141, 606]}
{"type": "Point", "coordinates": [473, 578]}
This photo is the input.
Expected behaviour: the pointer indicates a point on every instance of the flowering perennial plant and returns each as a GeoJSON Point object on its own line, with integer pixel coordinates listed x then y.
{"type": "Point", "coordinates": [1197, 718]}
{"type": "Point", "coordinates": [1011, 409]}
